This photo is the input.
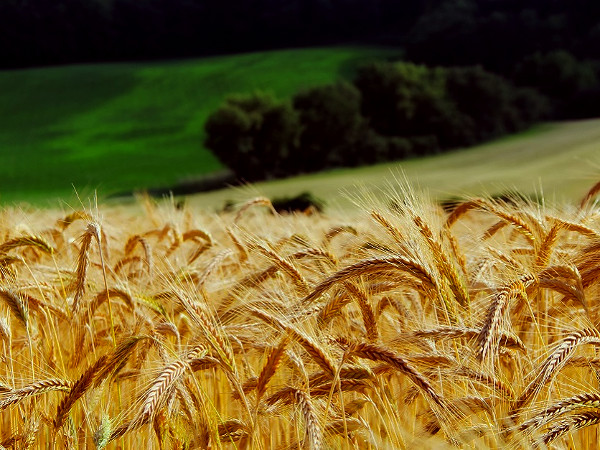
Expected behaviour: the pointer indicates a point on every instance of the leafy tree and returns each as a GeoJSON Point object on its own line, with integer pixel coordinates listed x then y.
{"type": "Point", "coordinates": [399, 98]}
{"type": "Point", "coordinates": [556, 74]}
{"type": "Point", "coordinates": [331, 126]}
{"type": "Point", "coordinates": [484, 98]}
{"type": "Point", "coordinates": [254, 135]}
{"type": "Point", "coordinates": [458, 106]}
{"type": "Point", "coordinates": [562, 78]}
{"type": "Point", "coordinates": [491, 105]}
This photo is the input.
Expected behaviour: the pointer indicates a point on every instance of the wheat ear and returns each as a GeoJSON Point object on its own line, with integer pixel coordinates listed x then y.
{"type": "Point", "coordinates": [161, 384]}
{"type": "Point", "coordinates": [79, 388]}
{"type": "Point", "coordinates": [587, 400]}
{"type": "Point", "coordinates": [555, 362]}
{"type": "Point", "coordinates": [589, 195]}
{"type": "Point", "coordinates": [82, 264]}
{"type": "Point", "coordinates": [495, 313]}
{"type": "Point", "coordinates": [573, 422]}
{"type": "Point", "coordinates": [575, 227]}
{"type": "Point", "coordinates": [285, 266]}
{"type": "Point", "coordinates": [17, 305]}
{"type": "Point", "coordinates": [313, 349]}
{"type": "Point", "coordinates": [366, 310]}
{"type": "Point", "coordinates": [214, 263]}
{"type": "Point", "coordinates": [27, 241]}
{"type": "Point", "coordinates": [118, 358]}
{"type": "Point", "coordinates": [130, 246]}
{"type": "Point", "coordinates": [370, 266]}
{"type": "Point", "coordinates": [525, 229]}
{"type": "Point", "coordinates": [388, 226]}
{"type": "Point", "coordinates": [378, 353]}
{"type": "Point", "coordinates": [263, 201]}
{"type": "Point", "coordinates": [72, 217]}
{"type": "Point", "coordinates": [313, 428]}
{"type": "Point", "coordinates": [445, 266]}
{"type": "Point", "coordinates": [212, 333]}
{"type": "Point", "coordinates": [39, 387]}
{"type": "Point", "coordinates": [461, 210]}
{"type": "Point", "coordinates": [448, 332]}
{"type": "Point", "coordinates": [333, 232]}
{"type": "Point", "coordinates": [232, 430]}
{"type": "Point", "coordinates": [545, 251]}
{"type": "Point", "coordinates": [270, 367]}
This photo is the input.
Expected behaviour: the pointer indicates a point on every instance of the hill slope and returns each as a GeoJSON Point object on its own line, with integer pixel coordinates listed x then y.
{"type": "Point", "coordinates": [562, 159]}
{"type": "Point", "coordinates": [114, 127]}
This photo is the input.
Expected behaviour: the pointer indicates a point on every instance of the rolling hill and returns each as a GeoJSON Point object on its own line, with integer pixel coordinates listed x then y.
{"type": "Point", "coordinates": [559, 160]}
{"type": "Point", "coordinates": [114, 127]}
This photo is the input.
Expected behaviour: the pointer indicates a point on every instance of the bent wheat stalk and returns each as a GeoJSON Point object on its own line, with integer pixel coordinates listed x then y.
{"type": "Point", "coordinates": [162, 384]}
{"type": "Point", "coordinates": [573, 422]}
{"type": "Point", "coordinates": [370, 266]}
{"type": "Point", "coordinates": [79, 388]}
{"type": "Point", "coordinates": [587, 400]}
{"type": "Point", "coordinates": [36, 388]}
{"type": "Point", "coordinates": [555, 362]}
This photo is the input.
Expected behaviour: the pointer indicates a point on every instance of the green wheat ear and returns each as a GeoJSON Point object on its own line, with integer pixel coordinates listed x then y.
{"type": "Point", "coordinates": [102, 434]}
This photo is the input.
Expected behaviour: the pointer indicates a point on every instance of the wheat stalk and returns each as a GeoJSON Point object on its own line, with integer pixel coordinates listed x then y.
{"type": "Point", "coordinates": [555, 361]}
{"type": "Point", "coordinates": [38, 387]}
{"type": "Point", "coordinates": [373, 266]}
{"type": "Point", "coordinates": [79, 388]}
{"type": "Point", "coordinates": [574, 422]}
{"type": "Point", "coordinates": [491, 325]}
{"type": "Point", "coordinates": [313, 428]}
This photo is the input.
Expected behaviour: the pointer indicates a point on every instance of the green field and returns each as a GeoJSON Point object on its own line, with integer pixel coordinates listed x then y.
{"type": "Point", "coordinates": [115, 127]}
{"type": "Point", "coordinates": [560, 160]}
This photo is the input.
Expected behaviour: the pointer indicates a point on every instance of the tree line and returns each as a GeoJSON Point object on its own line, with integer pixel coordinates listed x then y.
{"type": "Point", "coordinates": [389, 111]}
{"type": "Point", "coordinates": [493, 33]}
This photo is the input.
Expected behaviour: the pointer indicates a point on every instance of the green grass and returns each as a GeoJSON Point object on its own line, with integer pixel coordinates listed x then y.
{"type": "Point", "coordinates": [115, 127]}
{"type": "Point", "coordinates": [562, 160]}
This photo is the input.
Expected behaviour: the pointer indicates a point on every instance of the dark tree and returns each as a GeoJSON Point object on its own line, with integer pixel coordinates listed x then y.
{"type": "Point", "coordinates": [558, 74]}
{"type": "Point", "coordinates": [254, 135]}
{"type": "Point", "coordinates": [331, 126]}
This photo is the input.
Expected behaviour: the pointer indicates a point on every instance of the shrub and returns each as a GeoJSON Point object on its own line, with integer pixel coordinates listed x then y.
{"type": "Point", "coordinates": [303, 202]}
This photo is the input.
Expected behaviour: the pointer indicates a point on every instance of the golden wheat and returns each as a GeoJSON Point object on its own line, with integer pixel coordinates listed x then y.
{"type": "Point", "coordinates": [408, 328]}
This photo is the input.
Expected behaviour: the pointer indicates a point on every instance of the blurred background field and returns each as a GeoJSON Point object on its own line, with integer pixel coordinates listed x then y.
{"type": "Point", "coordinates": [559, 160]}
{"type": "Point", "coordinates": [118, 127]}
{"type": "Point", "coordinates": [113, 128]}
{"type": "Point", "coordinates": [110, 97]}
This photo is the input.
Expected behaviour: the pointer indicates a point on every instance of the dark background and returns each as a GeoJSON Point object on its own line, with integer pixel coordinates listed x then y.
{"type": "Point", "coordinates": [494, 33]}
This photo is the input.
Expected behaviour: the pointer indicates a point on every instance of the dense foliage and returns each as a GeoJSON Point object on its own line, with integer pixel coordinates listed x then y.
{"type": "Point", "coordinates": [391, 111]}
{"type": "Point", "coordinates": [495, 33]}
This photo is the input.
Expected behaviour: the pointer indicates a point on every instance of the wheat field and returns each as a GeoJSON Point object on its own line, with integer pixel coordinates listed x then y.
{"type": "Point", "coordinates": [399, 325]}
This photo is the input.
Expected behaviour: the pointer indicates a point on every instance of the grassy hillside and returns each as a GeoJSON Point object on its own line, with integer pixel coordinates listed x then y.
{"type": "Point", "coordinates": [560, 159]}
{"type": "Point", "coordinates": [121, 126]}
